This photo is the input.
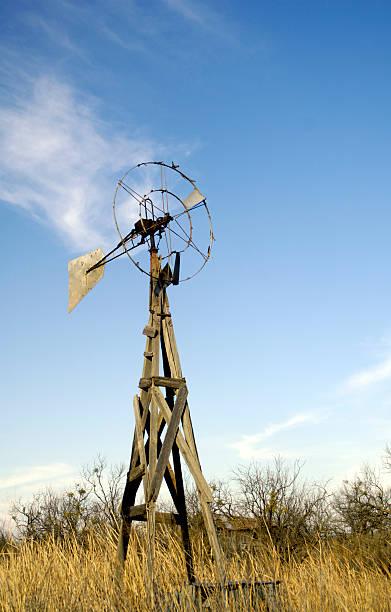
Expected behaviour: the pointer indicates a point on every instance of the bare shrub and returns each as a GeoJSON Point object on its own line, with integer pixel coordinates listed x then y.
{"type": "Point", "coordinates": [363, 505]}
{"type": "Point", "coordinates": [106, 484]}
{"type": "Point", "coordinates": [288, 511]}
{"type": "Point", "coordinates": [53, 514]}
{"type": "Point", "coordinates": [92, 503]}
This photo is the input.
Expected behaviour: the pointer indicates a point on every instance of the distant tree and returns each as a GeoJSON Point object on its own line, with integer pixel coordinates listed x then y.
{"type": "Point", "coordinates": [224, 502]}
{"type": "Point", "coordinates": [53, 514]}
{"type": "Point", "coordinates": [363, 505]}
{"type": "Point", "coordinates": [106, 485]}
{"type": "Point", "coordinates": [92, 503]}
{"type": "Point", "coordinates": [288, 510]}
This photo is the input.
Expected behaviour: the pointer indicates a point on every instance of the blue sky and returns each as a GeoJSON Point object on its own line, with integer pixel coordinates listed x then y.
{"type": "Point", "coordinates": [280, 110]}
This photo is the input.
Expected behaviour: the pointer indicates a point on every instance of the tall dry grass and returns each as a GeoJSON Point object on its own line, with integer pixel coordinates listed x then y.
{"type": "Point", "coordinates": [49, 576]}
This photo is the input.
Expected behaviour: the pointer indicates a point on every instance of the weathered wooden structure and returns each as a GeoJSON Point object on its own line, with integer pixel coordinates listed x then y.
{"type": "Point", "coordinates": [163, 436]}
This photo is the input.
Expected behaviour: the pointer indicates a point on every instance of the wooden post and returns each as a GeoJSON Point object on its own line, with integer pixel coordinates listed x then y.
{"type": "Point", "coordinates": [154, 308]}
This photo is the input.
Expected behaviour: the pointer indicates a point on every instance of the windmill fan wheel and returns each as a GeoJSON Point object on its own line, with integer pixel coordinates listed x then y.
{"type": "Point", "coordinates": [163, 210]}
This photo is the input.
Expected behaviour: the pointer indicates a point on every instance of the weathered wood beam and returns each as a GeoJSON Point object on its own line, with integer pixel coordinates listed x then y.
{"type": "Point", "coordinates": [172, 431]}
{"type": "Point", "coordinates": [137, 472]}
{"type": "Point", "coordinates": [139, 513]}
{"type": "Point", "coordinates": [162, 381]}
{"type": "Point", "coordinates": [150, 331]}
{"type": "Point", "coordinates": [190, 458]}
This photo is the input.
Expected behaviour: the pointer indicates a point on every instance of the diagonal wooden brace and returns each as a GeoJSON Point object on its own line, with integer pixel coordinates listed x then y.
{"type": "Point", "coordinates": [190, 458]}
{"type": "Point", "coordinates": [172, 431]}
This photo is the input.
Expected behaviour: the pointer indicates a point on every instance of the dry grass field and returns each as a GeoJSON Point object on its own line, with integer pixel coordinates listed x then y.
{"type": "Point", "coordinates": [51, 576]}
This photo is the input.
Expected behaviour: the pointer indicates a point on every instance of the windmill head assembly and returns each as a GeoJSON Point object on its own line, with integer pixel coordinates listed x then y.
{"type": "Point", "coordinates": [165, 226]}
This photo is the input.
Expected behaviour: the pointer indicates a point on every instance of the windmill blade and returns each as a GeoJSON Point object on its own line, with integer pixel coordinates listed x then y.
{"type": "Point", "coordinates": [177, 265]}
{"type": "Point", "coordinates": [195, 197]}
{"type": "Point", "coordinates": [80, 283]}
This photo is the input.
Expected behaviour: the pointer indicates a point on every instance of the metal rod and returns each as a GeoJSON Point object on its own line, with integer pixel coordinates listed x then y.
{"type": "Point", "coordinates": [104, 259]}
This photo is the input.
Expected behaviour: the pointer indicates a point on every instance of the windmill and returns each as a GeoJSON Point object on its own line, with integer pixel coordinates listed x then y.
{"type": "Point", "coordinates": [170, 220]}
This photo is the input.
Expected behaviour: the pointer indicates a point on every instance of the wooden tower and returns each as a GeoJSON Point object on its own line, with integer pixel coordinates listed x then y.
{"type": "Point", "coordinates": [163, 436]}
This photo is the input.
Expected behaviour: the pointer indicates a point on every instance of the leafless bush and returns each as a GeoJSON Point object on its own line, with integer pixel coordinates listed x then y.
{"type": "Point", "coordinates": [288, 511]}
{"type": "Point", "coordinates": [105, 484]}
{"type": "Point", "coordinates": [224, 502]}
{"type": "Point", "coordinates": [363, 505]}
{"type": "Point", "coordinates": [53, 514]}
{"type": "Point", "coordinates": [92, 503]}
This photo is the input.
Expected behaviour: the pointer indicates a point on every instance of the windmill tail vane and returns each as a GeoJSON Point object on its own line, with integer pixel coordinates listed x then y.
{"type": "Point", "coordinates": [84, 272]}
{"type": "Point", "coordinates": [80, 283]}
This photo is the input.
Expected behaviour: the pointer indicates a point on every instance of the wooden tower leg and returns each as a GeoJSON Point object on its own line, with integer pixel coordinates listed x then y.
{"type": "Point", "coordinates": [138, 463]}
{"type": "Point", "coordinates": [140, 457]}
{"type": "Point", "coordinates": [181, 509]}
{"type": "Point", "coordinates": [172, 367]}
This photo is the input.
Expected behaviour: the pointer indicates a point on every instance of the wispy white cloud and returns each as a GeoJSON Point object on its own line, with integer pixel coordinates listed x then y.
{"type": "Point", "coordinates": [188, 9]}
{"type": "Point", "coordinates": [369, 377]}
{"type": "Point", "coordinates": [204, 17]}
{"type": "Point", "coordinates": [38, 475]}
{"type": "Point", "coordinates": [298, 419]}
{"type": "Point", "coordinates": [25, 481]}
{"type": "Point", "coordinates": [59, 161]}
{"type": "Point", "coordinates": [55, 32]}
{"type": "Point", "coordinates": [248, 446]}
{"type": "Point", "coordinates": [127, 43]}
{"type": "Point", "coordinates": [247, 449]}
